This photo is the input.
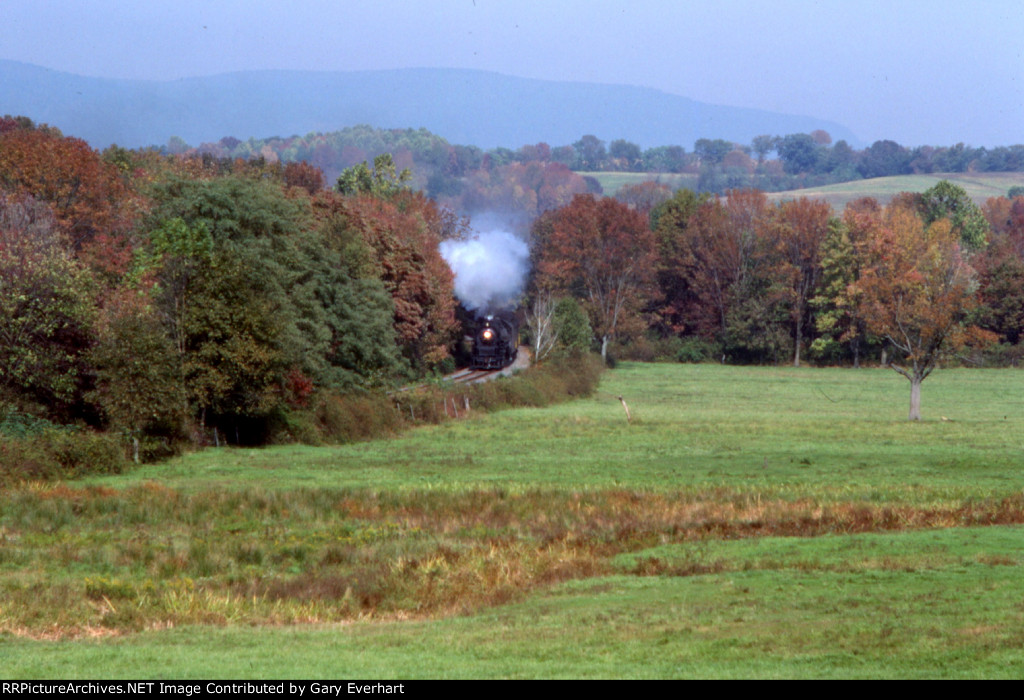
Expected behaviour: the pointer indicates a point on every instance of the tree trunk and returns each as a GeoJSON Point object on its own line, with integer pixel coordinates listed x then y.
{"type": "Point", "coordinates": [799, 338]}
{"type": "Point", "coordinates": [915, 398]}
{"type": "Point", "coordinates": [604, 349]}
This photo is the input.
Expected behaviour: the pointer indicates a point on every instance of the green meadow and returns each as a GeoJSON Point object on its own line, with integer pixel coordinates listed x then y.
{"type": "Point", "coordinates": [979, 186]}
{"type": "Point", "coordinates": [746, 522]}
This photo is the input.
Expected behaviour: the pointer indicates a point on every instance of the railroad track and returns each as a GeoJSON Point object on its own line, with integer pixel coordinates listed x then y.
{"type": "Point", "coordinates": [472, 376]}
{"type": "Point", "coordinates": [475, 376]}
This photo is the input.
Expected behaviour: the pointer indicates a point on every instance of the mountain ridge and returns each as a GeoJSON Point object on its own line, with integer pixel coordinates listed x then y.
{"type": "Point", "coordinates": [464, 106]}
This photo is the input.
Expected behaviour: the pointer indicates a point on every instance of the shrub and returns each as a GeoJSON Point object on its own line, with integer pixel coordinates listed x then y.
{"type": "Point", "coordinates": [695, 350]}
{"type": "Point", "coordinates": [60, 454]}
{"type": "Point", "coordinates": [356, 417]}
{"type": "Point", "coordinates": [17, 424]}
{"type": "Point", "coordinates": [997, 355]}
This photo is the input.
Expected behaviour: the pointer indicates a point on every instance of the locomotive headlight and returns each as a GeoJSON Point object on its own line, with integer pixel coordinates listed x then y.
{"type": "Point", "coordinates": [488, 334]}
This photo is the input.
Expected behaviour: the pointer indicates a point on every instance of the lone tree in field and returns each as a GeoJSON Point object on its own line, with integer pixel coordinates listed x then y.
{"type": "Point", "coordinates": [917, 290]}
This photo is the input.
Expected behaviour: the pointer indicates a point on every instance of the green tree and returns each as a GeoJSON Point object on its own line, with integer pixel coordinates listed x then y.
{"type": "Point", "coordinates": [176, 253]}
{"type": "Point", "coordinates": [946, 200]}
{"type": "Point", "coordinates": [625, 153]}
{"type": "Point", "coordinates": [665, 159]}
{"type": "Point", "coordinates": [883, 158]}
{"type": "Point", "coordinates": [138, 375]}
{"type": "Point", "coordinates": [763, 145]}
{"type": "Point", "coordinates": [572, 326]}
{"type": "Point", "coordinates": [590, 153]}
{"type": "Point", "coordinates": [276, 299]}
{"type": "Point", "coordinates": [382, 180]}
{"type": "Point", "coordinates": [47, 310]}
{"type": "Point", "coordinates": [799, 153]}
{"type": "Point", "coordinates": [838, 320]}
{"type": "Point", "coordinates": [712, 151]}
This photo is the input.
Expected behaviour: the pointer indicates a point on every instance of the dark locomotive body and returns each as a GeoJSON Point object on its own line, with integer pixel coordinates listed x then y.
{"type": "Point", "coordinates": [496, 342]}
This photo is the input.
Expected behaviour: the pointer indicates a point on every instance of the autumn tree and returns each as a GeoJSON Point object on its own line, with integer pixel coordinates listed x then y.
{"type": "Point", "coordinates": [602, 251]}
{"type": "Point", "coordinates": [404, 235]}
{"type": "Point", "coordinates": [46, 310]}
{"type": "Point", "coordinates": [1000, 269]}
{"type": "Point", "coordinates": [729, 257]}
{"type": "Point", "coordinates": [801, 227]}
{"type": "Point", "coordinates": [670, 221]}
{"type": "Point", "coordinates": [917, 291]}
{"type": "Point", "coordinates": [644, 196]}
{"type": "Point", "coordinates": [522, 189]}
{"type": "Point", "coordinates": [87, 194]}
{"type": "Point", "coordinates": [302, 174]}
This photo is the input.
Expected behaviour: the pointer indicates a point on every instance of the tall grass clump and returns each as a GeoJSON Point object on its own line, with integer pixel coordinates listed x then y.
{"type": "Point", "coordinates": [559, 379]}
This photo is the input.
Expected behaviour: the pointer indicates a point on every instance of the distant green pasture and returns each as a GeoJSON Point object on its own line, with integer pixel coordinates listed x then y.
{"type": "Point", "coordinates": [979, 186]}
{"type": "Point", "coordinates": [838, 433]}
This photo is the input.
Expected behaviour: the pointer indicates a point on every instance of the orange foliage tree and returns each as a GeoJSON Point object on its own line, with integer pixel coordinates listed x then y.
{"type": "Point", "coordinates": [917, 290]}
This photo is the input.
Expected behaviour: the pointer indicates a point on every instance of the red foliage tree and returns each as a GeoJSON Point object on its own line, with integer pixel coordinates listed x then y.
{"type": "Point", "coordinates": [603, 250]}
{"type": "Point", "coordinates": [724, 255]}
{"type": "Point", "coordinates": [801, 227]}
{"type": "Point", "coordinates": [87, 195]}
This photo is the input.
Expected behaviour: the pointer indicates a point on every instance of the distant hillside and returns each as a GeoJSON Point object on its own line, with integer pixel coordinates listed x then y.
{"type": "Point", "coordinates": [466, 107]}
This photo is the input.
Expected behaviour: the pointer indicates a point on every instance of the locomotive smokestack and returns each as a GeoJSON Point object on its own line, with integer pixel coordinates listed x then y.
{"type": "Point", "coordinates": [490, 270]}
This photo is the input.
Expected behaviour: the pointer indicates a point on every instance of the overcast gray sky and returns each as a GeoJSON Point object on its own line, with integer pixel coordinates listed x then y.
{"type": "Point", "coordinates": [918, 72]}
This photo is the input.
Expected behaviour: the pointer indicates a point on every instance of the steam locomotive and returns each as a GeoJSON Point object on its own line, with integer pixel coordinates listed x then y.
{"type": "Point", "coordinates": [496, 342]}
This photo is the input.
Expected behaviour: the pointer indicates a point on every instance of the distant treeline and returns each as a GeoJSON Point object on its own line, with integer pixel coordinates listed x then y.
{"type": "Point", "coordinates": [769, 163]}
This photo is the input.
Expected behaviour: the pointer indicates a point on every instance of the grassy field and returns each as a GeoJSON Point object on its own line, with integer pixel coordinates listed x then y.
{"type": "Point", "coordinates": [748, 522]}
{"type": "Point", "coordinates": [979, 186]}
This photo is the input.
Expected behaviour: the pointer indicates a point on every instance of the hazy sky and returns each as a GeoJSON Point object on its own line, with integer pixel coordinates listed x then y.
{"type": "Point", "coordinates": [918, 72]}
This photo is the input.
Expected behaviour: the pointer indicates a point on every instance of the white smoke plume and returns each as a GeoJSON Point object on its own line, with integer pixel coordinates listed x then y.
{"type": "Point", "coordinates": [490, 269]}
